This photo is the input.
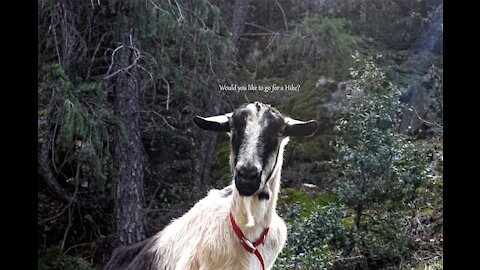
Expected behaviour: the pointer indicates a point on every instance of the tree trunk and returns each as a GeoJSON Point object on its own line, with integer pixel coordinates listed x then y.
{"type": "Point", "coordinates": [129, 155]}
{"type": "Point", "coordinates": [65, 17]}
{"type": "Point", "coordinates": [270, 12]}
{"type": "Point", "coordinates": [240, 13]}
{"type": "Point", "coordinates": [363, 185]}
{"type": "Point", "coordinates": [358, 215]}
{"type": "Point", "coordinates": [205, 143]}
{"type": "Point", "coordinates": [203, 159]}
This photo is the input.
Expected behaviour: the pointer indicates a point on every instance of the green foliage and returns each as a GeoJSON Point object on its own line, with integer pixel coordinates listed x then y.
{"type": "Point", "coordinates": [433, 264]}
{"type": "Point", "coordinates": [431, 192]}
{"type": "Point", "coordinates": [169, 196]}
{"type": "Point", "coordinates": [183, 39]}
{"type": "Point", "coordinates": [379, 165]}
{"type": "Point", "coordinates": [332, 33]}
{"type": "Point", "coordinates": [120, 128]}
{"type": "Point", "coordinates": [328, 238]}
{"type": "Point", "coordinates": [185, 52]}
{"type": "Point", "coordinates": [315, 242]}
{"type": "Point", "coordinates": [400, 26]}
{"type": "Point", "coordinates": [383, 240]}
{"type": "Point", "coordinates": [381, 169]}
{"type": "Point", "coordinates": [318, 48]}
{"type": "Point", "coordinates": [52, 258]}
{"type": "Point", "coordinates": [315, 44]}
{"type": "Point", "coordinates": [304, 105]}
{"type": "Point", "coordinates": [221, 171]}
{"type": "Point", "coordinates": [82, 135]}
{"type": "Point", "coordinates": [383, 177]}
{"type": "Point", "coordinates": [305, 202]}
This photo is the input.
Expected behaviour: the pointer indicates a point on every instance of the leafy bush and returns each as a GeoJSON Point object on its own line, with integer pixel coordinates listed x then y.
{"type": "Point", "coordinates": [382, 175]}
{"type": "Point", "coordinates": [314, 242]}
{"type": "Point", "coordinates": [382, 169]}
{"type": "Point", "coordinates": [329, 239]}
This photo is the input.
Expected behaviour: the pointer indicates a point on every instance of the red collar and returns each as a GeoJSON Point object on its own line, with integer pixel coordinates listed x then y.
{"type": "Point", "coordinates": [249, 246]}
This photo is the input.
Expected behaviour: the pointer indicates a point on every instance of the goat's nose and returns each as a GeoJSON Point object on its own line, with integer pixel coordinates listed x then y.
{"type": "Point", "coordinates": [248, 172]}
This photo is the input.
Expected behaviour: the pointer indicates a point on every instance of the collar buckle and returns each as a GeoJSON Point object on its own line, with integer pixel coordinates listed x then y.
{"type": "Point", "coordinates": [249, 244]}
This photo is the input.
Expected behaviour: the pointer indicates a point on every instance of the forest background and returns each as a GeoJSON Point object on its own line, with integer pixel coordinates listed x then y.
{"type": "Point", "coordinates": [119, 82]}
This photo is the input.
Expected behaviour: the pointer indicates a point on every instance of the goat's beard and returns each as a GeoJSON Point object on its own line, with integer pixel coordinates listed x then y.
{"type": "Point", "coordinates": [248, 210]}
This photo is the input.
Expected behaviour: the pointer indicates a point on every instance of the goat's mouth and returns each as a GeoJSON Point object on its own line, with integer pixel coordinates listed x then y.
{"type": "Point", "coordinates": [247, 187]}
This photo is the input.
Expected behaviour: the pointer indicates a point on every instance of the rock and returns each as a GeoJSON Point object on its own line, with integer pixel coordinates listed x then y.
{"type": "Point", "coordinates": [323, 81]}
{"type": "Point", "coordinates": [309, 185]}
{"type": "Point", "coordinates": [345, 90]}
{"type": "Point", "coordinates": [424, 103]}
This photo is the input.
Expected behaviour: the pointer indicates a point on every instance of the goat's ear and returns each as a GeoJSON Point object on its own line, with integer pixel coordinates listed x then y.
{"type": "Point", "coordinates": [218, 123]}
{"type": "Point", "coordinates": [296, 128]}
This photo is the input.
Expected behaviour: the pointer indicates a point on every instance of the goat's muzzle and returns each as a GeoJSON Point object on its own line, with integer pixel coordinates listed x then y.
{"type": "Point", "coordinates": [247, 180]}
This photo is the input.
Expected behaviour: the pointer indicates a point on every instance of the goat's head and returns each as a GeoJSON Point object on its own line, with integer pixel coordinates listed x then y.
{"type": "Point", "coordinates": [256, 132]}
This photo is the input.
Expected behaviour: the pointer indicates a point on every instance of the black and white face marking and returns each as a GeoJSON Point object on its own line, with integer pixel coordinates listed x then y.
{"type": "Point", "coordinates": [255, 136]}
{"type": "Point", "coordinates": [256, 132]}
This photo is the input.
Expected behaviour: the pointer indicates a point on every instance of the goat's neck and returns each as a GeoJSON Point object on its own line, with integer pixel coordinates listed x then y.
{"type": "Point", "coordinates": [261, 210]}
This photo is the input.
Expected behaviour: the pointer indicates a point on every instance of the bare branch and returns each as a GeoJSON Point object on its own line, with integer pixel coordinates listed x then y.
{"type": "Point", "coordinates": [260, 27]}
{"type": "Point", "coordinates": [45, 163]}
{"type": "Point", "coordinates": [261, 34]}
{"type": "Point", "coordinates": [283, 14]}
{"type": "Point", "coordinates": [197, 16]}
{"type": "Point", "coordinates": [271, 40]}
{"type": "Point", "coordinates": [168, 92]}
{"type": "Point", "coordinates": [75, 246]}
{"type": "Point", "coordinates": [179, 11]}
{"type": "Point", "coordinates": [210, 60]}
{"type": "Point", "coordinates": [69, 225]}
{"type": "Point", "coordinates": [177, 132]}
{"type": "Point", "coordinates": [137, 57]}
{"type": "Point", "coordinates": [113, 56]}
{"type": "Point", "coordinates": [94, 54]}
{"type": "Point", "coordinates": [164, 120]}
{"type": "Point", "coordinates": [423, 120]}
{"type": "Point", "coordinates": [77, 180]}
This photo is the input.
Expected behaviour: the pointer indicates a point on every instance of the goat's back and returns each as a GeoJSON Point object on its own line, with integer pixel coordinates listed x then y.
{"type": "Point", "coordinates": [123, 256]}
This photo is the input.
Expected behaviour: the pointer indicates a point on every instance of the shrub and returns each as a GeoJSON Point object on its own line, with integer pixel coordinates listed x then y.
{"type": "Point", "coordinates": [381, 175]}
{"type": "Point", "coordinates": [314, 242]}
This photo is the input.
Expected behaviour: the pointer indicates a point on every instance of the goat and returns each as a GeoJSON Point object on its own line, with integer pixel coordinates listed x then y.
{"type": "Point", "coordinates": [221, 230]}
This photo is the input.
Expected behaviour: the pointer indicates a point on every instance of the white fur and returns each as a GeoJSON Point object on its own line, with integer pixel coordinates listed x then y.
{"type": "Point", "coordinates": [249, 151]}
{"type": "Point", "coordinates": [204, 239]}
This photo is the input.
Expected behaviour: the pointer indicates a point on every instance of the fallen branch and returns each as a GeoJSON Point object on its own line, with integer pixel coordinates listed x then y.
{"type": "Point", "coordinates": [425, 121]}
